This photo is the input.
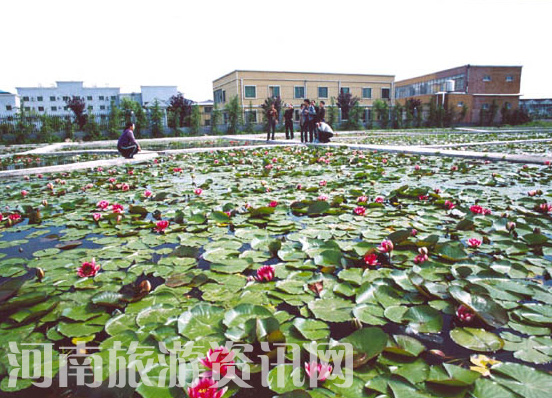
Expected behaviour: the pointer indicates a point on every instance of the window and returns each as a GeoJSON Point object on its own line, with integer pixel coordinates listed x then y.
{"type": "Point", "coordinates": [219, 96]}
{"type": "Point", "coordinates": [90, 108]}
{"type": "Point", "coordinates": [66, 98]}
{"type": "Point", "coordinates": [299, 92]}
{"type": "Point", "coordinates": [366, 92]}
{"type": "Point", "coordinates": [345, 90]}
{"type": "Point", "coordinates": [297, 115]}
{"type": "Point", "coordinates": [487, 78]}
{"type": "Point", "coordinates": [250, 91]}
{"type": "Point", "coordinates": [8, 107]}
{"type": "Point", "coordinates": [102, 97]}
{"type": "Point", "coordinates": [102, 107]}
{"type": "Point", "coordinates": [208, 109]}
{"type": "Point", "coordinates": [273, 91]}
{"type": "Point", "coordinates": [40, 99]}
{"type": "Point", "coordinates": [65, 108]}
{"type": "Point", "coordinates": [207, 122]}
{"type": "Point", "coordinates": [113, 98]}
{"type": "Point", "coordinates": [509, 79]}
{"type": "Point", "coordinates": [25, 98]}
{"type": "Point", "coordinates": [460, 104]}
{"type": "Point", "coordinates": [54, 108]}
{"type": "Point", "coordinates": [251, 116]}
{"type": "Point", "coordinates": [322, 92]}
{"type": "Point", "coordinates": [27, 108]}
{"type": "Point", "coordinates": [52, 99]}
{"type": "Point", "coordinates": [507, 105]}
{"type": "Point", "coordinates": [89, 98]}
{"type": "Point", "coordinates": [385, 93]}
{"type": "Point", "coordinates": [485, 106]}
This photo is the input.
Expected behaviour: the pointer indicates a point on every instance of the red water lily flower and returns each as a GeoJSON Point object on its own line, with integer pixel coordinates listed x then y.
{"type": "Point", "coordinates": [24, 193]}
{"type": "Point", "coordinates": [265, 273]}
{"type": "Point", "coordinates": [198, 191]}
{"type": "Point", "coordinates": [359, 211]}
{"type": "Point", "coordinates": [205, 388]}
{"type": "Point", "coordinates": [464, 314]}
{"type": "Point", "coordinates": [273, 204]}
{"type": "Point", "coordinates": [147, 193]}
{"type": "Point", "coordinates": [371, 259]}
{"type": "Point", "coordinates": [117, 208]}
{"type": "Point", "coordinates": [103, 204]}
{"type": "Point", "coordinates": [161, 226]}
{"type": "Point", "coordinates": [449, 205]}
{"type": "Point", "coordinates": [379, 199]}
{"type": "Point", "coordinates": [474, 242]}
{"type": "Point", "coordinates": [218, 360]}
{"type": "Point", "coordinates": [88, 269]}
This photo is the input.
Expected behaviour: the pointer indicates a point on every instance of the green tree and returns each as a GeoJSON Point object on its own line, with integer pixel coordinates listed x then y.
{"type": "Point", "coordinates": [77, 106]}
{"type": "Point", "coordinates": [141, 120]}
{"type": "Point", "coordinates": [195, 120]}
{"type": "Point", "coordinates": [115, 123]}
{"type": "Point", "coordinates": [47, 128]}
{"type": "Point", "coordinates": [156, 120]}
{"type": "Point", "coordinates": [332, 114]}
{"type": "Point", "coordinates": [91, 128]}
{"type": "Point", "coordinates": [397, 116]}
{"type": "Point", "coordinates": [463, 113]}
{"type": "Point", "coordinates": [250, 120]}
{"type": "Point", "coordinates": [23, 126]}
{"type": "Point", "coordinates": [215, 119]}
{"type": "Point", "coordinates": [381, 108]}
{"type": "Point", "coordinates": [233, 109]}
{"type": "Point", "coordinates": [353, 121]}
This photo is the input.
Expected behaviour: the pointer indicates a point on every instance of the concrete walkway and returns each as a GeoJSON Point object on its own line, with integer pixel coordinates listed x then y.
{"type": "Point", "coordinates": [260, 140]}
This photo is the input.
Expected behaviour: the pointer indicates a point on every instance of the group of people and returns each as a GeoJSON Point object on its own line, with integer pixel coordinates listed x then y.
{"type": "Point", "coordinates": [312, 122]}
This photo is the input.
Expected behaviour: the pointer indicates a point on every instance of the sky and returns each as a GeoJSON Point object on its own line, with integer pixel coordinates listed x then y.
{"type": "Point", "coordinates": [190, 43]}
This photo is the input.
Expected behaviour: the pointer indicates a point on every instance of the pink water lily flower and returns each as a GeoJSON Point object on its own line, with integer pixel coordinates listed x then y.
{"type": "Point", "coordinates": [422, 256]}
{"type": "Point", "coordinates": [24, 193]}
{"type": "Point", "coordinates": [386, 246]}
{"type": "Point", "coordinates": [14, 217]}
{"type": "Point", "coordinates": [379, 199]}
{"type": "Point", "coordinates": [476, 209]}
{"type": "Point", "coordinates": [323, 183]}
{"type": "Point", "coordinates": [474, 242]}
{"type": "Point", "coordinates": [299, 186]}
{"type": "Point", "coordinates": [205, 388]}
{"type": "Point", "coordinates": [97, 216]}
{"type": "Point", "coordinates": [318, 371]}
{"type": "Point", "coordinates": [265, 273]}
{"type": "Point", "coordinates": [161, 226]}
{"type": "Point", "coordinates": [322, 198]}
{"type": "Point", "coordinates": [273, 204]}
{"type": "Point", "coordinates": [198, 191]}
{"type": "Point", "coordinates": [88, 269]}
{"type": "Point", "coordinates": [544, 208]}
{"type": "Point", "coordinates": [103, 204]}
{"type": "Point", "coordinates": [125, 187]}
{"type": "Point", "coordinates": [218, 360]}
{"type": "Point", "coordinates": [359, 211]}
{"type": "Point", "coordinates": [362, 199]}
{"type": "Point", "coordinates": [117, 208]}
{"type": "Point", "coordinates": [449, 205]}
{"type": "Point", "coordinates": [147, 193]}
{"type": "Point", "coordinates": [417, 167]}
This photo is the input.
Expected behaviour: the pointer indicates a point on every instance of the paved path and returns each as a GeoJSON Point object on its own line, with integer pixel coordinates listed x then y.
{"type": "Point", "coordinates": [260, 140]}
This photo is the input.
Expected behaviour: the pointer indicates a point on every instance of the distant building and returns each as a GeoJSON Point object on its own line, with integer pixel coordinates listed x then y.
{"type": "Point", "coordinates": [205, 109]}
{"type": "Point", "coordinates": [161, 94]}
{"type": "Point", "coordinates": [537, 108]}
{"type": "Point", "coordinates": [476, 87]}
{"type": "Point", "coordinates": [293, 87]}
{"type": "Point", "coordinates": [9, 104]}
{"type": "Point", "coordinates": [52, 100]}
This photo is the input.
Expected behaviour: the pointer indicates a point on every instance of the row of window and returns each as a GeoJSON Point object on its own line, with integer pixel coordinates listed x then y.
{"type": "Point", "coordinates": [488, 78]}
{"type": "Point", "coordinates": [67, 98]}
{"type": "Point", "coordinates": [56, 108]}
{"type": "Point", "coordinates": [299, 92]}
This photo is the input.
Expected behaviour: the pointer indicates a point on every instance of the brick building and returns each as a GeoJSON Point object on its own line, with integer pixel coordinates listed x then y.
{"type": "Point", "coordinates": [293, 87]}
{"type": "Point", "coordinates": [473, 86]}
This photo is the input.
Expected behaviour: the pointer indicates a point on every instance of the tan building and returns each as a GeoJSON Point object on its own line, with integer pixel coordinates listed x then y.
{"type": "Point", "coordinates": [293, 87]}
{"type": "Point", "coordinates": [473, 87]}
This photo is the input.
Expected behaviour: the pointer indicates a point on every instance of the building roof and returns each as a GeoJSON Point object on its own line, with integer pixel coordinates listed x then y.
{"type": "Point", "coordinates": [299, 72]}
{"type": "Point", "coordinates": [4, 92]}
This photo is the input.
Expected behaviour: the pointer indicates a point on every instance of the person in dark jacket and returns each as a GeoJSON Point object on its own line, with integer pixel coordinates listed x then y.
{"type": "Point", "coordinates": [288, 118]}
{"type": "Point", "coordinates": [272, 116]}
{"type": "Point", "coordinates": [322, 112]}
{"type": "Point", "coordinates": [127, 145]}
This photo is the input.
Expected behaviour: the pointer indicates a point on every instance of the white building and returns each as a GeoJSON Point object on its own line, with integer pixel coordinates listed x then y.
{"type": "Point", "coordinates": [52, 100]}
{"type": "Point", "coordinates": [160, 93]}
{"type": "Point", "coordinates": [9, 104]}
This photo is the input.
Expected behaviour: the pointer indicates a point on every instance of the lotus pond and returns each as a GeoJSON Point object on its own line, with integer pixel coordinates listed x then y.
{"type": "Point", "coordinates": [435, 270]}
{"type": "Point", "coordinates": [439, 138]}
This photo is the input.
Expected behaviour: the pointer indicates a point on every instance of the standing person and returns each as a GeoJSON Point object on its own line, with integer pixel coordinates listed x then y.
{"type": "Point", "coordinates": [312, 117]}
{"type": "Point", "coordinates": [127, 145]}
{"type": "Point", "coordinates": [322, 112]}
{"type": "Point", "coordinates": [303, 122]}
{"type": "Point", "coordinates": [272, 115]}
{"type": "Point", "coordinates": [288, 117]}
